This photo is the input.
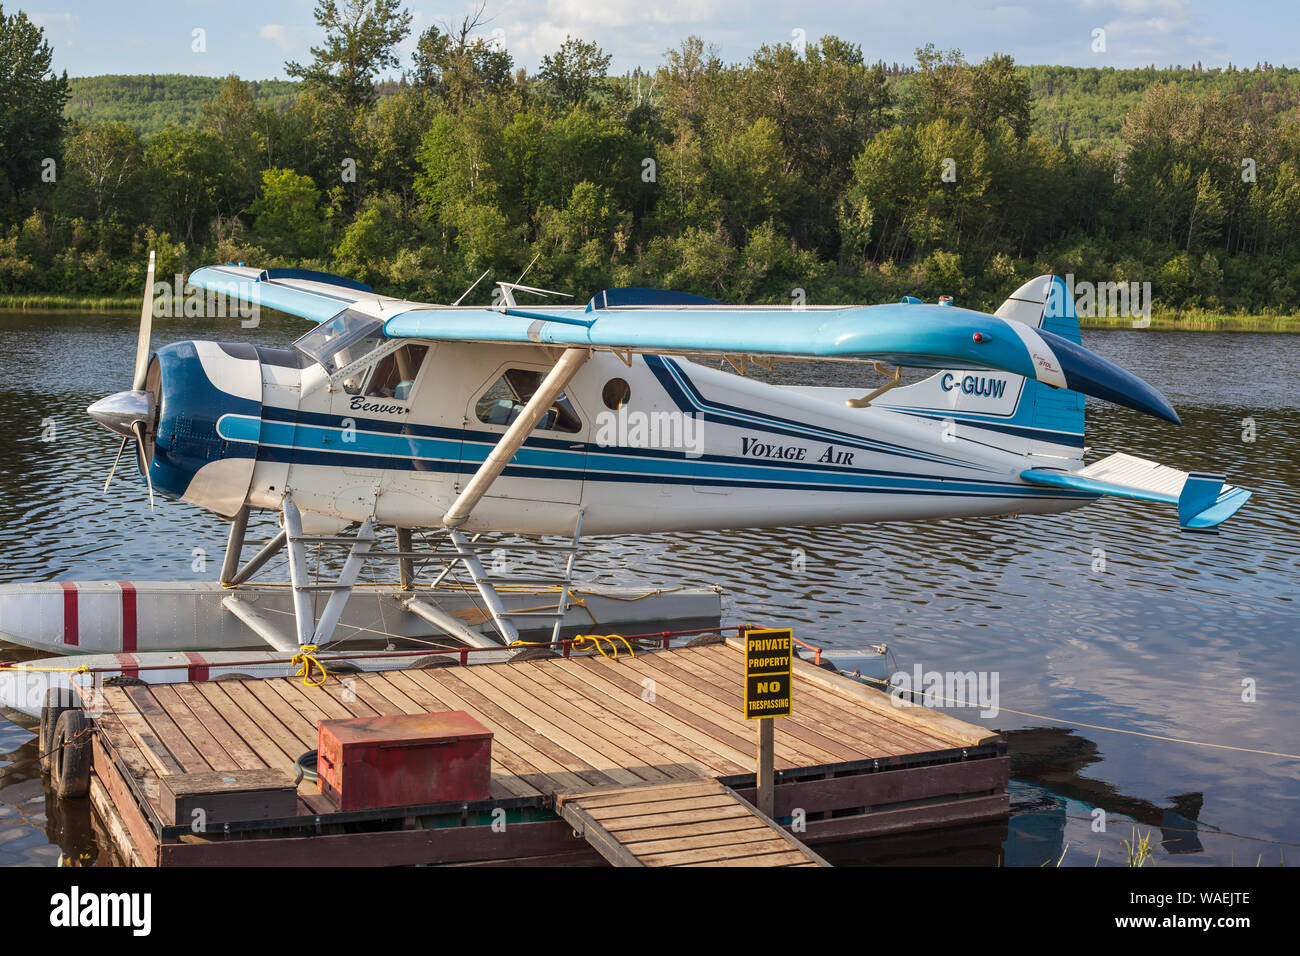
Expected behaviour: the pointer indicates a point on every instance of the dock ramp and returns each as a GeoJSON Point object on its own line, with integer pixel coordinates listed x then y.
{"type": "Point", "coordinates": [696, 822]}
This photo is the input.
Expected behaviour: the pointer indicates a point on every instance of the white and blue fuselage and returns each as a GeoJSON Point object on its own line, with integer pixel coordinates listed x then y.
{"type": "Point", "coordinates": [662, 444]}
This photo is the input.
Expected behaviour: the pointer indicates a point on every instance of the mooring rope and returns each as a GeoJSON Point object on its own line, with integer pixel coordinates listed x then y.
{"type": "Point", "coordinates": [304, 660]}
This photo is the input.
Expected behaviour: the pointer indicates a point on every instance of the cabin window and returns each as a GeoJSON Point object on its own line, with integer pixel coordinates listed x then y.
{"type": "Point", "coordinates": [616, 393]}
{"type": "Point", "coordinates": [502, 403]}
{"type": "Point", "coordinates": [341, 340]}
{"type": "Point", "coordinates": [394, 376]}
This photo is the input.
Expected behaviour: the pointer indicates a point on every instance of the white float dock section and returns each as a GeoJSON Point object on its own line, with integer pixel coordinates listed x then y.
{"type": "Point", "coordinates": [124, 617]}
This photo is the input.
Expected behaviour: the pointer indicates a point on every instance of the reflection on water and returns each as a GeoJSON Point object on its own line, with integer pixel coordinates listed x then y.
{"type": "Point", "coordinates": [1160, 641]}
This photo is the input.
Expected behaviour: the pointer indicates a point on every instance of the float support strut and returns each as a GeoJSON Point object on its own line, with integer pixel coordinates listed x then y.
{"type": "Point", "coordinates": [235, 544]}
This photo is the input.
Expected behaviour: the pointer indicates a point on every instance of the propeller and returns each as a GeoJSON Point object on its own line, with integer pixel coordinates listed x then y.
{"type": "Point", "coordinates": [128, 413]}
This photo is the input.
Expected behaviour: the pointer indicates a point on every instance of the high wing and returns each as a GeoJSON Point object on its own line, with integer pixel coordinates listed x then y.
{"type": "Point", "coordinates": [309, 295]}
{"type": "Point", "coordinates": [910, 334]}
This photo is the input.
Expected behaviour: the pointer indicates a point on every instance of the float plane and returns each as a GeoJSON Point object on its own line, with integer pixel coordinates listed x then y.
{"type": "Point", "coordinates": [632, 413]}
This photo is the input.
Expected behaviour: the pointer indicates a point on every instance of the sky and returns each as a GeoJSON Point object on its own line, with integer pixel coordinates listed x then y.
{"type": "Point", "coordinates": [254, 38]}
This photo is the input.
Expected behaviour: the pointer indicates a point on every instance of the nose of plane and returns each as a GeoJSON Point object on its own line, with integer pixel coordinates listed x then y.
{"type": "Point", "coordinates": [119, 412]}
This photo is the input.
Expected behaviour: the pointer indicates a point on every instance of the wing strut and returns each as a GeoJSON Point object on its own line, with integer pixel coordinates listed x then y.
{"type": "Point", "coordinates": [556, 381]}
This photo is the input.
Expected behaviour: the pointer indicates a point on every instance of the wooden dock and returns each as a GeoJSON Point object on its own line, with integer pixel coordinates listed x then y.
{"type": "Point", "coordinates": [695, 823]}
{"type": "Point", "coordinates": [849, 763]}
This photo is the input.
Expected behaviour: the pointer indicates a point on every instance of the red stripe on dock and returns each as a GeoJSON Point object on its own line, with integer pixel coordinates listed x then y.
{"type": "Point", "coordinates": [129, 626]}
{"type": "Point", "coordinates": [198, 669]}
{"type": "Point", "coordinates": [130, 666]}
{"type": "Point", "coordinates": [71, 628]}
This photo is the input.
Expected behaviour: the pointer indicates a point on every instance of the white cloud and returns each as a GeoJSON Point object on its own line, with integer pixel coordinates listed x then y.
{"type": "Point", "coordinates": [58, 27]}
{"type": "Point", "coordinates": [277, 34]}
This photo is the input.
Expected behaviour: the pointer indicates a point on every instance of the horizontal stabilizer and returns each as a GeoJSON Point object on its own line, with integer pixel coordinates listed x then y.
{"type": "Point", "coordinates": [1203, 500]}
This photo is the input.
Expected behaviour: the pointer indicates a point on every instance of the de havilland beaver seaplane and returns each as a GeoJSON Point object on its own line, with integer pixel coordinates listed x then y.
{"type": "Point", "coordinates": [448, 423]}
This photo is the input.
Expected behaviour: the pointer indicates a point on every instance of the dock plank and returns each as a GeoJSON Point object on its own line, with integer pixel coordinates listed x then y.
{"type": "Point", "coordinates": [719, 758]}
{"type": "Point", "coordinates": [574, 738]}
{"type": "Point", "coordinates": [752, 852]}
{"type": "Point", "coordinates": [869, 726]}
{"type": "Point", "coordinates": [371, 696]}
{"type": "Point", "coordinates": [253, 735]}
{"type": "Point", "coordinates": [141, 734]}
{"type": "Point", "coordinates": [194, 729]}
{"type": "Point", "coordinates": [790, 751]}
{"type": "Point", "coordinates": [134, 758]}
{"type": "Point", "coordinates": [555, 768]}
{"type": "Point", "coordinates": [730, 697]}
{"type": "Point", "coordinates": [394, 694]}
{"type": "Point", "coordinates": [738, 748]}
{"type": "Point", "coordinates": [528, 727]}
{"type": "Point", "coordinates": [232, 742]}
{"type": "Point", "coordinates": [655, 734]}
{"type": "Point", "coordinates": [172, 737]}
{"type": "Point", "coordinates": [289, 735]}
{"type": "Point", "coordinates": [311, 707]}
{"type": "Point", "coordinates": [933, 722]}
{"type": "Point", "coordinates": [732, 828]}
{"type": "Point", "coordinates": [508, 770]}
{"type": "Point", "coordinates": [616, 742]}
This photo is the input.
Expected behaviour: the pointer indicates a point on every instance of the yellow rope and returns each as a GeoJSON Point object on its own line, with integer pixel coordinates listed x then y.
{"type": "Point", "coordinates": [83, 669]}
{"type": "Point", "coordinates": [610, 638]}
{"type": "Point", "coordinates": [303, 660]}
{"type": "Point", "coordinates": [582, 639]}
{"type": "Point", "coordinates": [639, 597]}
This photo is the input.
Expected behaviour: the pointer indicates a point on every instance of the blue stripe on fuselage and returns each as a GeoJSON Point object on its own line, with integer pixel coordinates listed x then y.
{"type": "Point", "coordinates": [459, 452]}
{"type": "Point", "coordinates": [689, 398]}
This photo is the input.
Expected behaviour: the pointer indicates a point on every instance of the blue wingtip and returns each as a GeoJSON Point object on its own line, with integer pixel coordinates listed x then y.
{"type": "Point", "coordinates": [1091, 374]}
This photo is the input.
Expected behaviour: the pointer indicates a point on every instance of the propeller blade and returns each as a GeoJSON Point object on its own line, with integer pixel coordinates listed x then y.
{"type": "Point", "coordinates": [112, 471]}
{"type": "Point", "coordinates": [146, 328]}
{"type": "Point", "coordinates": [137, 428]}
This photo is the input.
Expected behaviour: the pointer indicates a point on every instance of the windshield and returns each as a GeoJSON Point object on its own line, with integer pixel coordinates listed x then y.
{"type": "Point", "coordinates": [341, 340]}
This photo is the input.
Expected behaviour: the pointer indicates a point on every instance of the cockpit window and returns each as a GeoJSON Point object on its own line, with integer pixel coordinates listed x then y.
{"type": "Point", "coordinates": [341, 340]}
{"type": "Point", "coordinates": [502, 403]}
{"type": "Point", "coordinates": [394, 376]}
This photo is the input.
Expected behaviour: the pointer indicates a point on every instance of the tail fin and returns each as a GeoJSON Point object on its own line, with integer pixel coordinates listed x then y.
{"type": "Point", "coordinates": [1004, 410]}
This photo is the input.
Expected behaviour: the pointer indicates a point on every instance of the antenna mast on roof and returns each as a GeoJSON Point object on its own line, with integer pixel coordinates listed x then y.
{"type": "Point", "coordinates": [508, 289]}
{"type": "Point", "coordinates": [471, 288]}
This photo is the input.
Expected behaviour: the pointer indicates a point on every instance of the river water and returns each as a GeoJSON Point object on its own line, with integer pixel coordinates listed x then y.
{"type": "Point", "coordinates": [1106, 629]}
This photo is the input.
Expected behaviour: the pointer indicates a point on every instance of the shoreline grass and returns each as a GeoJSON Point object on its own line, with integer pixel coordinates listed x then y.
{"type": "Point", "coordinates": [1196, 320]}
{"type": "Point", "coordinates": [41, 302]}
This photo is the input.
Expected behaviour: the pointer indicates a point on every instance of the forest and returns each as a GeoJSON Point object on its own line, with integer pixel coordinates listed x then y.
{"type": "Point", "coordinates": [800, 172]}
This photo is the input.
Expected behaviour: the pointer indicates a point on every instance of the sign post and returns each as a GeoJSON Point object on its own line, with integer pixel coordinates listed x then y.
{"type": "Point", "coordinates": [768, 656]}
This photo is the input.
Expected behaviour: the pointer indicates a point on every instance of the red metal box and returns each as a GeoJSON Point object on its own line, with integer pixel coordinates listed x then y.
{"type": "Point", "coordinates": [402, 761]}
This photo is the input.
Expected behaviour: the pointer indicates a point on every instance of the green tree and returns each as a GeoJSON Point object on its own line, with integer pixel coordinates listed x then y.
{"type": "Point", "coordinates": [31, 103]}
{"type": "Point", "coordinates": [998, 91]}
{"type": "Point", "coordinates": [361, 37]}
{"type": "Point", "coordinates": [460, 67]}
{"type": "Point", "coordinates": [289, 220]}
{"type": "Point", "coordinates": [244, 131]}
{"type": "Point", "coordinates": [186, 169]}
{"type": "Point", "coordinates": [574, 71]}
{"type": "Point", "coordinates": [105, 167]}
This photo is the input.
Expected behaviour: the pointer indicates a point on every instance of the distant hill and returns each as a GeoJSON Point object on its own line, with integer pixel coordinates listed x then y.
{"type": "Point", "coordinates": [151, 102]}
{"type": "Point", "coordinates": [1086, 104]}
